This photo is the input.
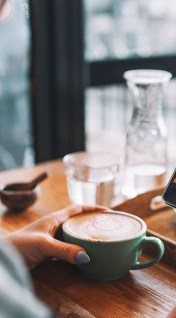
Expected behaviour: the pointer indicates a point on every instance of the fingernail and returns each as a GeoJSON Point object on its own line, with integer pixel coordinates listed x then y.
{"type": "Point", "coordinates": [82, 258]}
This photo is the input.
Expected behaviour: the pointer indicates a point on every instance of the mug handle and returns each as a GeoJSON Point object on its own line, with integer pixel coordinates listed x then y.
{"type": "Point", "coordinates": [160, 251]}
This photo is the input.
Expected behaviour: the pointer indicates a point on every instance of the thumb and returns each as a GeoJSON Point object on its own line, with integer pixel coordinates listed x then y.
{"type": "Point", "coordinates": [69, 252]}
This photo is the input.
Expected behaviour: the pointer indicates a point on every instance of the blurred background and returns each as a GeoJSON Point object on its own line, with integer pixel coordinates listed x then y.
{"type": "Point", "coordinates": [61, 74]}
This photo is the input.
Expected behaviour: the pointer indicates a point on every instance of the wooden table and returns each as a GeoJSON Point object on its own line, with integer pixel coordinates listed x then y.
{"type": "Point", "coordinates": [143, 293]}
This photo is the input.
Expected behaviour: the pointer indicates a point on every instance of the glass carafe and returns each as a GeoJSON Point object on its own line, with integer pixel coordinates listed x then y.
{"type": "Point", "coordinates": [145, 162]}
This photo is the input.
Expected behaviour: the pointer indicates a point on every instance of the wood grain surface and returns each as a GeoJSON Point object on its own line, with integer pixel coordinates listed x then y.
{"type": "Point", "coordinates": [142, 293]}
{"type": "Point", "coordinates": [160, 223]}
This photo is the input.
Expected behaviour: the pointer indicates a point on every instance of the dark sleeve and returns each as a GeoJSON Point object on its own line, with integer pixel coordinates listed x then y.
{"type": "Point", "coordinates": [17, 298]}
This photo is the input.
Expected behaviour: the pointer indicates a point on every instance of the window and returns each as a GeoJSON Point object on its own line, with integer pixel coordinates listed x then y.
{"type": "Point", "coordinates": [15, 118]}
{"type": "Point", "coordinates": [68, 54]}
{"type": "Point", "coordinates": [122, 35]}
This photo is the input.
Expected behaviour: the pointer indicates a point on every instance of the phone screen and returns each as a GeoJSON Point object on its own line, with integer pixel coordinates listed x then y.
{"type": "Point", "coordinates": [169, 194]}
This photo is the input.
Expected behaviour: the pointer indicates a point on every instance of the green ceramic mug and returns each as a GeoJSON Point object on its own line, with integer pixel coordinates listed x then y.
{"type": "Point", "coordinates": [113, 240]}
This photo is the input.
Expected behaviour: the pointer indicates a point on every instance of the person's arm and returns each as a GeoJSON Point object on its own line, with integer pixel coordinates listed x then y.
{"type": "Point", "coordinates": [17, 297]}
{"type": "Point", "coordinates": [37, 241]}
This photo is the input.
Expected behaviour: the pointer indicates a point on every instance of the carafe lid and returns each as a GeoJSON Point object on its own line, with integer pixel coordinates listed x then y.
{"type": "Point", "coordinates": [147, 76]}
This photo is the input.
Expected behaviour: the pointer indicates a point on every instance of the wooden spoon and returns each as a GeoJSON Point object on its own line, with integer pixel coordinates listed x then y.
{"type": "Point", "coordinates": [25, 186]}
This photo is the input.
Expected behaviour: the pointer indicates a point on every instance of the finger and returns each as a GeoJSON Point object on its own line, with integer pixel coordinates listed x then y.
{"type": "Point", "coordinates": [76, 209]}
{"type": "Point", "coordinates": [91, 208]}
{"type": "Point", "coordinates": [63, 215]}
{"type": "Point", "coordinates": [69, 252]}
{"type": "Point", "coordinates": [172, 314]}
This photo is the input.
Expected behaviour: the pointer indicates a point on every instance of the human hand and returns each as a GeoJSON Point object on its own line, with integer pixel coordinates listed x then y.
{"type": "Point", "coordinates": [36, 242]}
{"type": "Point", "coordinates": [172, 314]}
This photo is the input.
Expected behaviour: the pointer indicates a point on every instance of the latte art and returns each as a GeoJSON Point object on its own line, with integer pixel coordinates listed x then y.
{"type": "Point", "coordinates": [103, 226]}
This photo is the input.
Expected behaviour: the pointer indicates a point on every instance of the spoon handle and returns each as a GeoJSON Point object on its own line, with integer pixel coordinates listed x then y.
{"type": "Point", "coordinates": [38, 179]}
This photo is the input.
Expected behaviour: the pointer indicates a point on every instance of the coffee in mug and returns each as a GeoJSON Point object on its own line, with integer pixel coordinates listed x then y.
{"type": "Point", "coordinates": [113, 240]}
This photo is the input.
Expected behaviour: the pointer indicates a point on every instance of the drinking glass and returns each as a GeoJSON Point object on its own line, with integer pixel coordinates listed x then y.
{"type": "Point", "coordinates": [92, 177]}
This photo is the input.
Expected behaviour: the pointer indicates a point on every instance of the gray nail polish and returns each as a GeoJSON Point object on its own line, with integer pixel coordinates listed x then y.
{"type": "Point", "coordinates": [82, 258]}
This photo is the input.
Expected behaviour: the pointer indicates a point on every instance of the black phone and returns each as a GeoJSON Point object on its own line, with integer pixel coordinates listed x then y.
{"type": "Point", "coordinates": [169, 195]}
